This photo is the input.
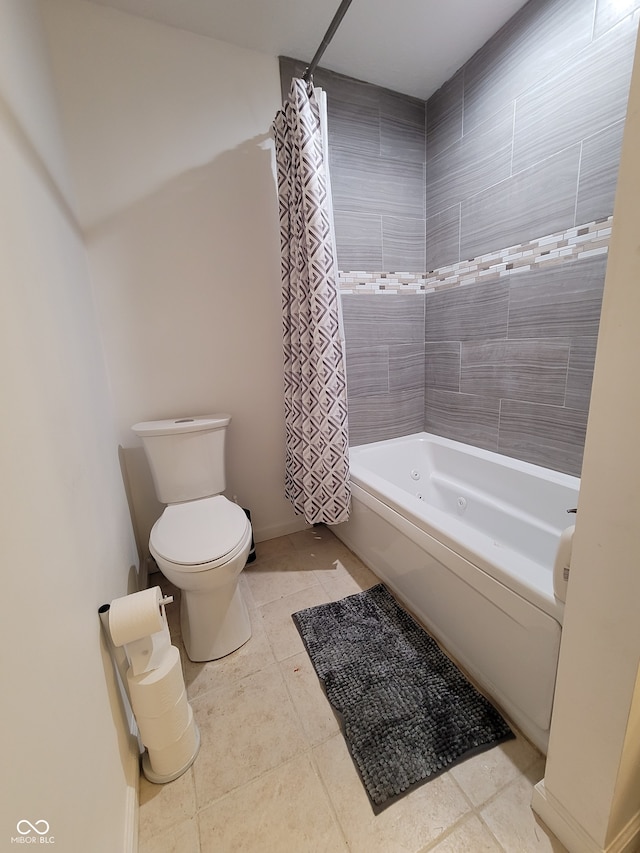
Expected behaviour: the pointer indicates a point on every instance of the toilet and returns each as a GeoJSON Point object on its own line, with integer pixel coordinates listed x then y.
{"type": "Point", "coordinates": [202, 540]}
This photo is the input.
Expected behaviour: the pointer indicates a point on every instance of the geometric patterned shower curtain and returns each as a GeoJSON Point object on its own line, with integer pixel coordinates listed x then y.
{"type": "Point", "coordinates": [317, 439]}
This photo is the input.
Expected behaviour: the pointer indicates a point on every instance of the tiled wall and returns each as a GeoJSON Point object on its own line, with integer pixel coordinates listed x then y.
{"type": "Point", "coordinates": [523, 145]}
{"type": "Point", "coordinates": [584, 241]}
{"type": "Point", "coordinates": [509, 344]}
{"type": "Point", "coordinates": [525, 139]}
{"type": "Point", "coordinates": [385, 365]}
{"type": "Point", "coordinates": [377, 161]}
{"type": "Point", "coordinates": [509, 364]}
{"type": "Point", "coordinates": [508, 352]}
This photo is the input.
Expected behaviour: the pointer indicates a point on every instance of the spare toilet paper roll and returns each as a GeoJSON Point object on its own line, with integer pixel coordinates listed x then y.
{"type": "Point", "coordinates": [153, 693]}
{"type": "Point", "coordinates": [137, 615]}
{"type": "Point", "coordinates": [160, 732]}
{"type": "Point", "coordinates": [172, 758]}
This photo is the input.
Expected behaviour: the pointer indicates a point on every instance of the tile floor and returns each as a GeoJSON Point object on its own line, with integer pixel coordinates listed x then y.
{"type": "Point", "coordinates": [273, 772]}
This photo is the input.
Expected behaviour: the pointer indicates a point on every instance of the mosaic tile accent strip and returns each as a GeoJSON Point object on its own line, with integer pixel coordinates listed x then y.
{"type": "Point", "coordinates": [582, 241]}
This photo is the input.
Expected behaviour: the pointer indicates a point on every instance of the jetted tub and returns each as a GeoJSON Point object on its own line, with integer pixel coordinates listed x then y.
{"type": "Point", "coordinates": [467, 539]}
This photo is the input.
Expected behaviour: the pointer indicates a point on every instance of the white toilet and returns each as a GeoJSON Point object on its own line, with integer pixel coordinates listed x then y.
{"type": "Point", "coordinates": [202, 540]}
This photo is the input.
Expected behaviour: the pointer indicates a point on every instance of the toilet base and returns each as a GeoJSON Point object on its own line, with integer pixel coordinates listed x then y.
{"type": "Point", "coordinates": [206, 636]}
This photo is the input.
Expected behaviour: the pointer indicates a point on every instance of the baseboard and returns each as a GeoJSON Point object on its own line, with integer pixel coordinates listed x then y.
{"type": "Point", "coordinates": [573, 835]}
{"type": "Point", "coordinates": [261, 534]}
{"type": "Point", "coordinates": [132, 805]}
{"type": "Point", "coordinates": [561, 823]}
{"type": "Point", "coordinates": [628, 840]}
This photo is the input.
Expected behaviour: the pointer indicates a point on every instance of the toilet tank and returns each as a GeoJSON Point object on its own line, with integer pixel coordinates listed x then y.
{"type": "Point", "coordinates": [186, 456]}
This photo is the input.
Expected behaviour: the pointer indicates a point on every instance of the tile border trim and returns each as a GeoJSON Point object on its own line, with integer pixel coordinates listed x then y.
{"type": "Point", "coordinates": [581, 241]}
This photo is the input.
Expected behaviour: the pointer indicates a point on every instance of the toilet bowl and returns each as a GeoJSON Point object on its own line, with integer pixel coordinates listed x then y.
{"type": "Point", "coordinates": [202, 540]}
{"type": "Point", "coordinates": [201, 547]}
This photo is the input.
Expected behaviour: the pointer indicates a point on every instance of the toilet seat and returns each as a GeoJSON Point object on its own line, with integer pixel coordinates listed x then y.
{"type": "Point", "coordinates": [200, 535]}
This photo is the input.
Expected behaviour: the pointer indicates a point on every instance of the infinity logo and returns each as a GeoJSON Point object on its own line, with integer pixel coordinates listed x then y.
{"type": "Point", "coordinates": [31, 827]}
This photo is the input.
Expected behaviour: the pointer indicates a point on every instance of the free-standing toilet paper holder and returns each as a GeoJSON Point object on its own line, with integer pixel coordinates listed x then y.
{"type": "Point", "coordinates": [147, 652]}
{"type": "Point", "coordinates": [149, 666]}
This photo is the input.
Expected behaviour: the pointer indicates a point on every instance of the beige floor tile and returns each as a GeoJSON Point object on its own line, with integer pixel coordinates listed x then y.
{"type": "Point", "coordinates": [247, 728]}
{"type": "Point", "coordinates": [320, 550]}
{"type": "Point", "coordinates": [347, 575]}
{"type": "Point", "coordinates": [316, 715]}
{"type": "Point", "coordinates": [317, 550]}
{"type": "Point", "coordinates": [278, 576]}
{"type": "Point", "coordinates": [180, 838]}
{"type": "Point", "coordinates": [470, 836]}
{"type": "Point", "coordinates": [162, 806]}
{"type": "Point", "coordinates": [274, 548]}
{"type": "Point", "coordinates": [510, 817]}
{"type": "Point", "coordinates": [256, 654]}
{"type": "Point", "coordinates": [281, 631]}
{"type": "Point", "coordinates": [245, 591]}
{"type": "Point", "coordinates": [484, 775]}
{"type": "Point", "coordinates": [284, 811]}
{"type": "Point", "coordinates": [315, 541]}
{"type": "Point", "coordinates": [404, 827]}
{"type": "Point", "coordinates": [274, 772]}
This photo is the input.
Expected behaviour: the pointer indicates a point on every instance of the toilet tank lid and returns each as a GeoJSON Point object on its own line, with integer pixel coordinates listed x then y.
{"type": "Point", "coordinates": [177, 425]}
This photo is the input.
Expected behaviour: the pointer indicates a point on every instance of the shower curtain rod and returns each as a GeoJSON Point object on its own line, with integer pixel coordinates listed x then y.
{"type": "Point", "coordinates": [333, 26]}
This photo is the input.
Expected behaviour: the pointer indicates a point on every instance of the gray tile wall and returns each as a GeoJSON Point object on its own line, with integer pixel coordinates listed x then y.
{"type": "Point", "coordinates": [525, 139]}
{"type": "Point", "coordinates": [385, 365]}
{"type": "Point", "coordinates": [522, 142]}
{"type": "Point", "coordinates": [509, 364]}
{"type": "Point", "coordinates": [377, 160]}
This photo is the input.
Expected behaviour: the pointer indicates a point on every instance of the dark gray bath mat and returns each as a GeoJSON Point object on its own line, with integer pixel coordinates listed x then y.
{"type": "Point", "coordinates": [407, 712]}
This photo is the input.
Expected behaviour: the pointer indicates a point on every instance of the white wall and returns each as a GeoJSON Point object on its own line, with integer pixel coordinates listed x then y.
{"type": "Point", "coordinates": [591, 791]}
{"type": "Point", "coordinates": [66, 540]}
{"type": "Point", "coordinates": [168, 134]}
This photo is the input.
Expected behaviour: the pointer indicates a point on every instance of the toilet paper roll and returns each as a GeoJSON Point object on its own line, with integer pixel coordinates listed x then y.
{"type": "Point", "coordinates": [154, 693]}
{"type": "Point", "coordinates": [148, 652]}
{"type": "Point", "coordinates": [135, 616]}
{"type": "Point", "coordinates": [167, 761]}
{"type": "Point", "coordinates": [160, 732]}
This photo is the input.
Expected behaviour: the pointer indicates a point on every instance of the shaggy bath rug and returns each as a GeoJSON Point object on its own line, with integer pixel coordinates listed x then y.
{"type": "Point", "coordinates": [407, 712]}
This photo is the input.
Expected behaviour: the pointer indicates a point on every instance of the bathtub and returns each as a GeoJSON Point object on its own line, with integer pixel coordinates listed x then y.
{"type": "Point", "coordinates": [467, 539]}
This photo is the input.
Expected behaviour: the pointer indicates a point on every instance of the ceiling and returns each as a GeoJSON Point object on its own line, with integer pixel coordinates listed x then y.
{"type": "Point", "coordinates": [410, 46]}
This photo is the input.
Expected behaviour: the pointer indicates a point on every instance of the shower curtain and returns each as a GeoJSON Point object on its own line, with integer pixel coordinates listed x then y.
{"type": "Point", "coordinates": [317, 445]}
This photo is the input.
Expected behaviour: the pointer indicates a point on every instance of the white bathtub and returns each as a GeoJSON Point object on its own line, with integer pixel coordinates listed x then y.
{"type": "Point", "coordinates": [467, 539]}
